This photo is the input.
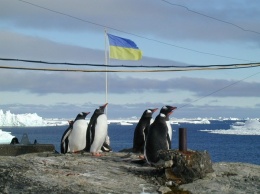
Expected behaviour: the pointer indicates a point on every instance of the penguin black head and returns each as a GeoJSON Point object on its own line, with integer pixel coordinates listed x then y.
{"type": "Point", "coordinates": [82, 115]}
{"type": "Point", "coordinates": [101, 109]}
{"type": "Point", "coordinates": [148, 113]}
{"type": "Point", "coordinates": [167, 110]}
{"type": "Point", "coordinates": [70, 123]}
{"type": "Point", "coordinates": [15, 141]}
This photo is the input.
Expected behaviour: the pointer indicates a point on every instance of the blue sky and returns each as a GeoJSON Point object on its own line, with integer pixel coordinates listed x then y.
{"type": "Point", "coordinates": [165, 31]}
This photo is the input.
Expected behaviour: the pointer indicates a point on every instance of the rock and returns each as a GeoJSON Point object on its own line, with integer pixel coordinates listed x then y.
{"type": "Point", "coordinates": [18, 149]}
{"type": "Point", "coordinates": [114, 172]}
{"type": "Point", "coordinates": [228, 178]}
{"type": "Point", "coordinates": [164, 190]}
{"type": "Point", "coordinates": [71, 173]}
{"type": "Point", "coordinates": [186, 166]}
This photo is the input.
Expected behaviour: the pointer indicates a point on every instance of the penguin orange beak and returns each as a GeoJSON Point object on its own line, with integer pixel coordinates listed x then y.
{"type": "Point", "coordinates": [87, 113]}
{"type": "Point", "coordinates": [172, 109]}
{"type": "Point", "coordinates": [153, 110]}
{"type": "Point", "coordinates": [104, 105]}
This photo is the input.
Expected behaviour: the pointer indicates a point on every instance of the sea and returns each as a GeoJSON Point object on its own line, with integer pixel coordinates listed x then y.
{"type": "Point", "coordinates": [221, 147]}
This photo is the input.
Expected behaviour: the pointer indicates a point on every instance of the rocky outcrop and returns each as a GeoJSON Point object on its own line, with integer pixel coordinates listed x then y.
{"type": "Point", "coordinates": [115, 173]}
{"type": "Point", "coordinates": [228, 178]}
{"type": "Point", "coordinates": [185, 167]}
{"type": "Point", "coordinates": [72, 173]}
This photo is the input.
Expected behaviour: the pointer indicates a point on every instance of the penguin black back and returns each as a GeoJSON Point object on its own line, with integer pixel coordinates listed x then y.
{"type": "Point", "coordinates": [141, 130]}
{"type": "Point", "coordinates": [64, 140]}
{"type": "Point", "coordinates": [156, 139]}
{"type": "Point", "coordinates": [91, 126]}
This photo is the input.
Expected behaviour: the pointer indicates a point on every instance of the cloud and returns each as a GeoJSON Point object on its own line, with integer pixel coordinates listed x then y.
{"type": "Point", "coordinates": [116, 111]}
{"type": "Point", "coordinates": [178, 23]}
{"type": "Point", "coordinates": [35, 48]}
{"type": "Point", "coordinates": [74, 83]}
{"type": "Point", "coordinates": [217, 87]}
{"type": "Point", "coordinates": [76, 34]}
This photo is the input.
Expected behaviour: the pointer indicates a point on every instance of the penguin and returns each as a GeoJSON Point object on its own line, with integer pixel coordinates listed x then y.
{"type": "Point", "coordinates": [167, 110]}
{"type": "Point", "coordinates": [106, 145]}
{"type": "Point", "coordinates": [141, 130]}
{"type": "Point", "coordinates": [77, 136]}
{"type": "Point", "coordinates": [97, 131]}
{"type": "Point", "coordinates": [158, 137]}
{"type": "Point", "coordinates": [14, 141]}
{"type": "Point", "coordinates": [64, 144]}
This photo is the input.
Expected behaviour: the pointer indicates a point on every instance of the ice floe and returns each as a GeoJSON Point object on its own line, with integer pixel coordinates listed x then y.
{"type": "Point", "coordinates": [249, 127]}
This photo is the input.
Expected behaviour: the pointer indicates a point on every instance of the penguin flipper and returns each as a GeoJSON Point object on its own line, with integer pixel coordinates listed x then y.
{"type": "Point", "coordinates": [64, 141]}
{"type": "Point", "coordinates": [169, 141]}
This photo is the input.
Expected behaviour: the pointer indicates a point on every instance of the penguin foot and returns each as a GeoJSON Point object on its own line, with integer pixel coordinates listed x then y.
{"type": "Point", "coordinates": [141, 157]}
{"type": "Point", "coordinates": [76, 152]}
{"type": "Point", "coordinates": [96, 154]}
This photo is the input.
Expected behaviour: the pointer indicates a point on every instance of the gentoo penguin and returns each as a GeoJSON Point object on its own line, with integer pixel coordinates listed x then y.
{"type": "Point", "coordinates": [167, 110]}
{"type": "Point", "coordinates": [157, 138]}
{"type": "Point", "coordinates": [106, 145]}
{"type": "Point", "coordinates": [141, 130]}
{"type": "Point", "coordinates": [97, 131]}
{"type": "Point", "coordinates": [15, 141]}
{"type": "Point", "coordinates": [64, 144]}
{"type": "Point", "coordinates": [77, 136]}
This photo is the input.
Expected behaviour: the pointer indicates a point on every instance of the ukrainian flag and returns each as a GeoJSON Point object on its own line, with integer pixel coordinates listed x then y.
{"type": "Point", "coordinates": [123, 49]}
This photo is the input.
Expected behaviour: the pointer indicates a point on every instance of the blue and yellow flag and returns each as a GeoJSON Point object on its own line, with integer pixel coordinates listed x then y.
{"type": "Point", "coordinates": [123, 49]}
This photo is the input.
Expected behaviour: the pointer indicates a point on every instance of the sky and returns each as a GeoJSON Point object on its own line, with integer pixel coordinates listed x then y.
{"type": "Point", "coordinates": [172, 32]}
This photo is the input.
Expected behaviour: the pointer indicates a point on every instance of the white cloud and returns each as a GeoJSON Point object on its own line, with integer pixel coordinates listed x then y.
{"type": "Point", "coordinates": [164, 32]}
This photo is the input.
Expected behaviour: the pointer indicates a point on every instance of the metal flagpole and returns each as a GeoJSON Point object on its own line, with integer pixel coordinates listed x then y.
{"type": "Point", "coordinates": [106, 62]}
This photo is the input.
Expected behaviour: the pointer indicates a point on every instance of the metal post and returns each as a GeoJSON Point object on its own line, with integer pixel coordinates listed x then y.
{"type": "Point", "coordinates": [182, 139]}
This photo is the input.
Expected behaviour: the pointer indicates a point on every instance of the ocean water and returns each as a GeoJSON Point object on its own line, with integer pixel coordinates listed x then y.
{"type": "Point", "coordinates": [221, 147]}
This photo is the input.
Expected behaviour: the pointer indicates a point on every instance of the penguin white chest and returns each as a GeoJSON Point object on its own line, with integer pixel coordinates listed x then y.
{"type": "Point", "coordinates": [100, 133]}
{"type": "Point", "coordinates": [77, 138]}
{"type": "Point", "coordinates": [169, 129]}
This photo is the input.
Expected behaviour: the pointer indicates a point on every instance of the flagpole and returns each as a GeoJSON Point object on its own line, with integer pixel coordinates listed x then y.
{"type": "Point", "coordinates": [106, 62]}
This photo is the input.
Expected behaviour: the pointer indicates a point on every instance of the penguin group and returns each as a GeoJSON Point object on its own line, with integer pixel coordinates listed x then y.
{"type": "Point", "coordinates": [82, 136]}
{"type": "Point", "coordinates": [152, 136]}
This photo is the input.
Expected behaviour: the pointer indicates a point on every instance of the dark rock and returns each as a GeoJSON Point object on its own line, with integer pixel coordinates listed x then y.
{"type": "Point", "coordinates": [18, 149]}
{"type": "Point", "coordinates": [186, 166]}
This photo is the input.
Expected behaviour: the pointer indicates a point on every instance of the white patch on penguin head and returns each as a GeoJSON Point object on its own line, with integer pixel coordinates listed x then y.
{"type": "Point", "coordinates": [164, 107]}
{"type": "Point", "coordinates": [162, 115]}
{"type": "Point", "coordinates": [149, 111]}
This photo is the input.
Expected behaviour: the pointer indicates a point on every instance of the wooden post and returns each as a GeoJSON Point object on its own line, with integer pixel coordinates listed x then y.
{"type": "Point", "coordinates": [182, 139]}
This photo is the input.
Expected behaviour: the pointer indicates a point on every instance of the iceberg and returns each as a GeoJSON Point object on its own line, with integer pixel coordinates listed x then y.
{"type": "Point", "coordinates": [249, 127]}
{"type": "Point", "coordinates": [192, 121]}
{"type": "Point", "coordinates": [5, 137]}
{"type": "Point", "coordinates": [9, 119]}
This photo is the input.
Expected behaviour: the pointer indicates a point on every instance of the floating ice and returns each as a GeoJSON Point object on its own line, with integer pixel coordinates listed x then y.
{"type": "Point", "coordinates": [249, 127]}
{"type": "Point", "coordinates": [191, 121]}
{"type": "Point", "coordinates": [5, 137]}
{"type": "Point", "coordinates": [29, 119]}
